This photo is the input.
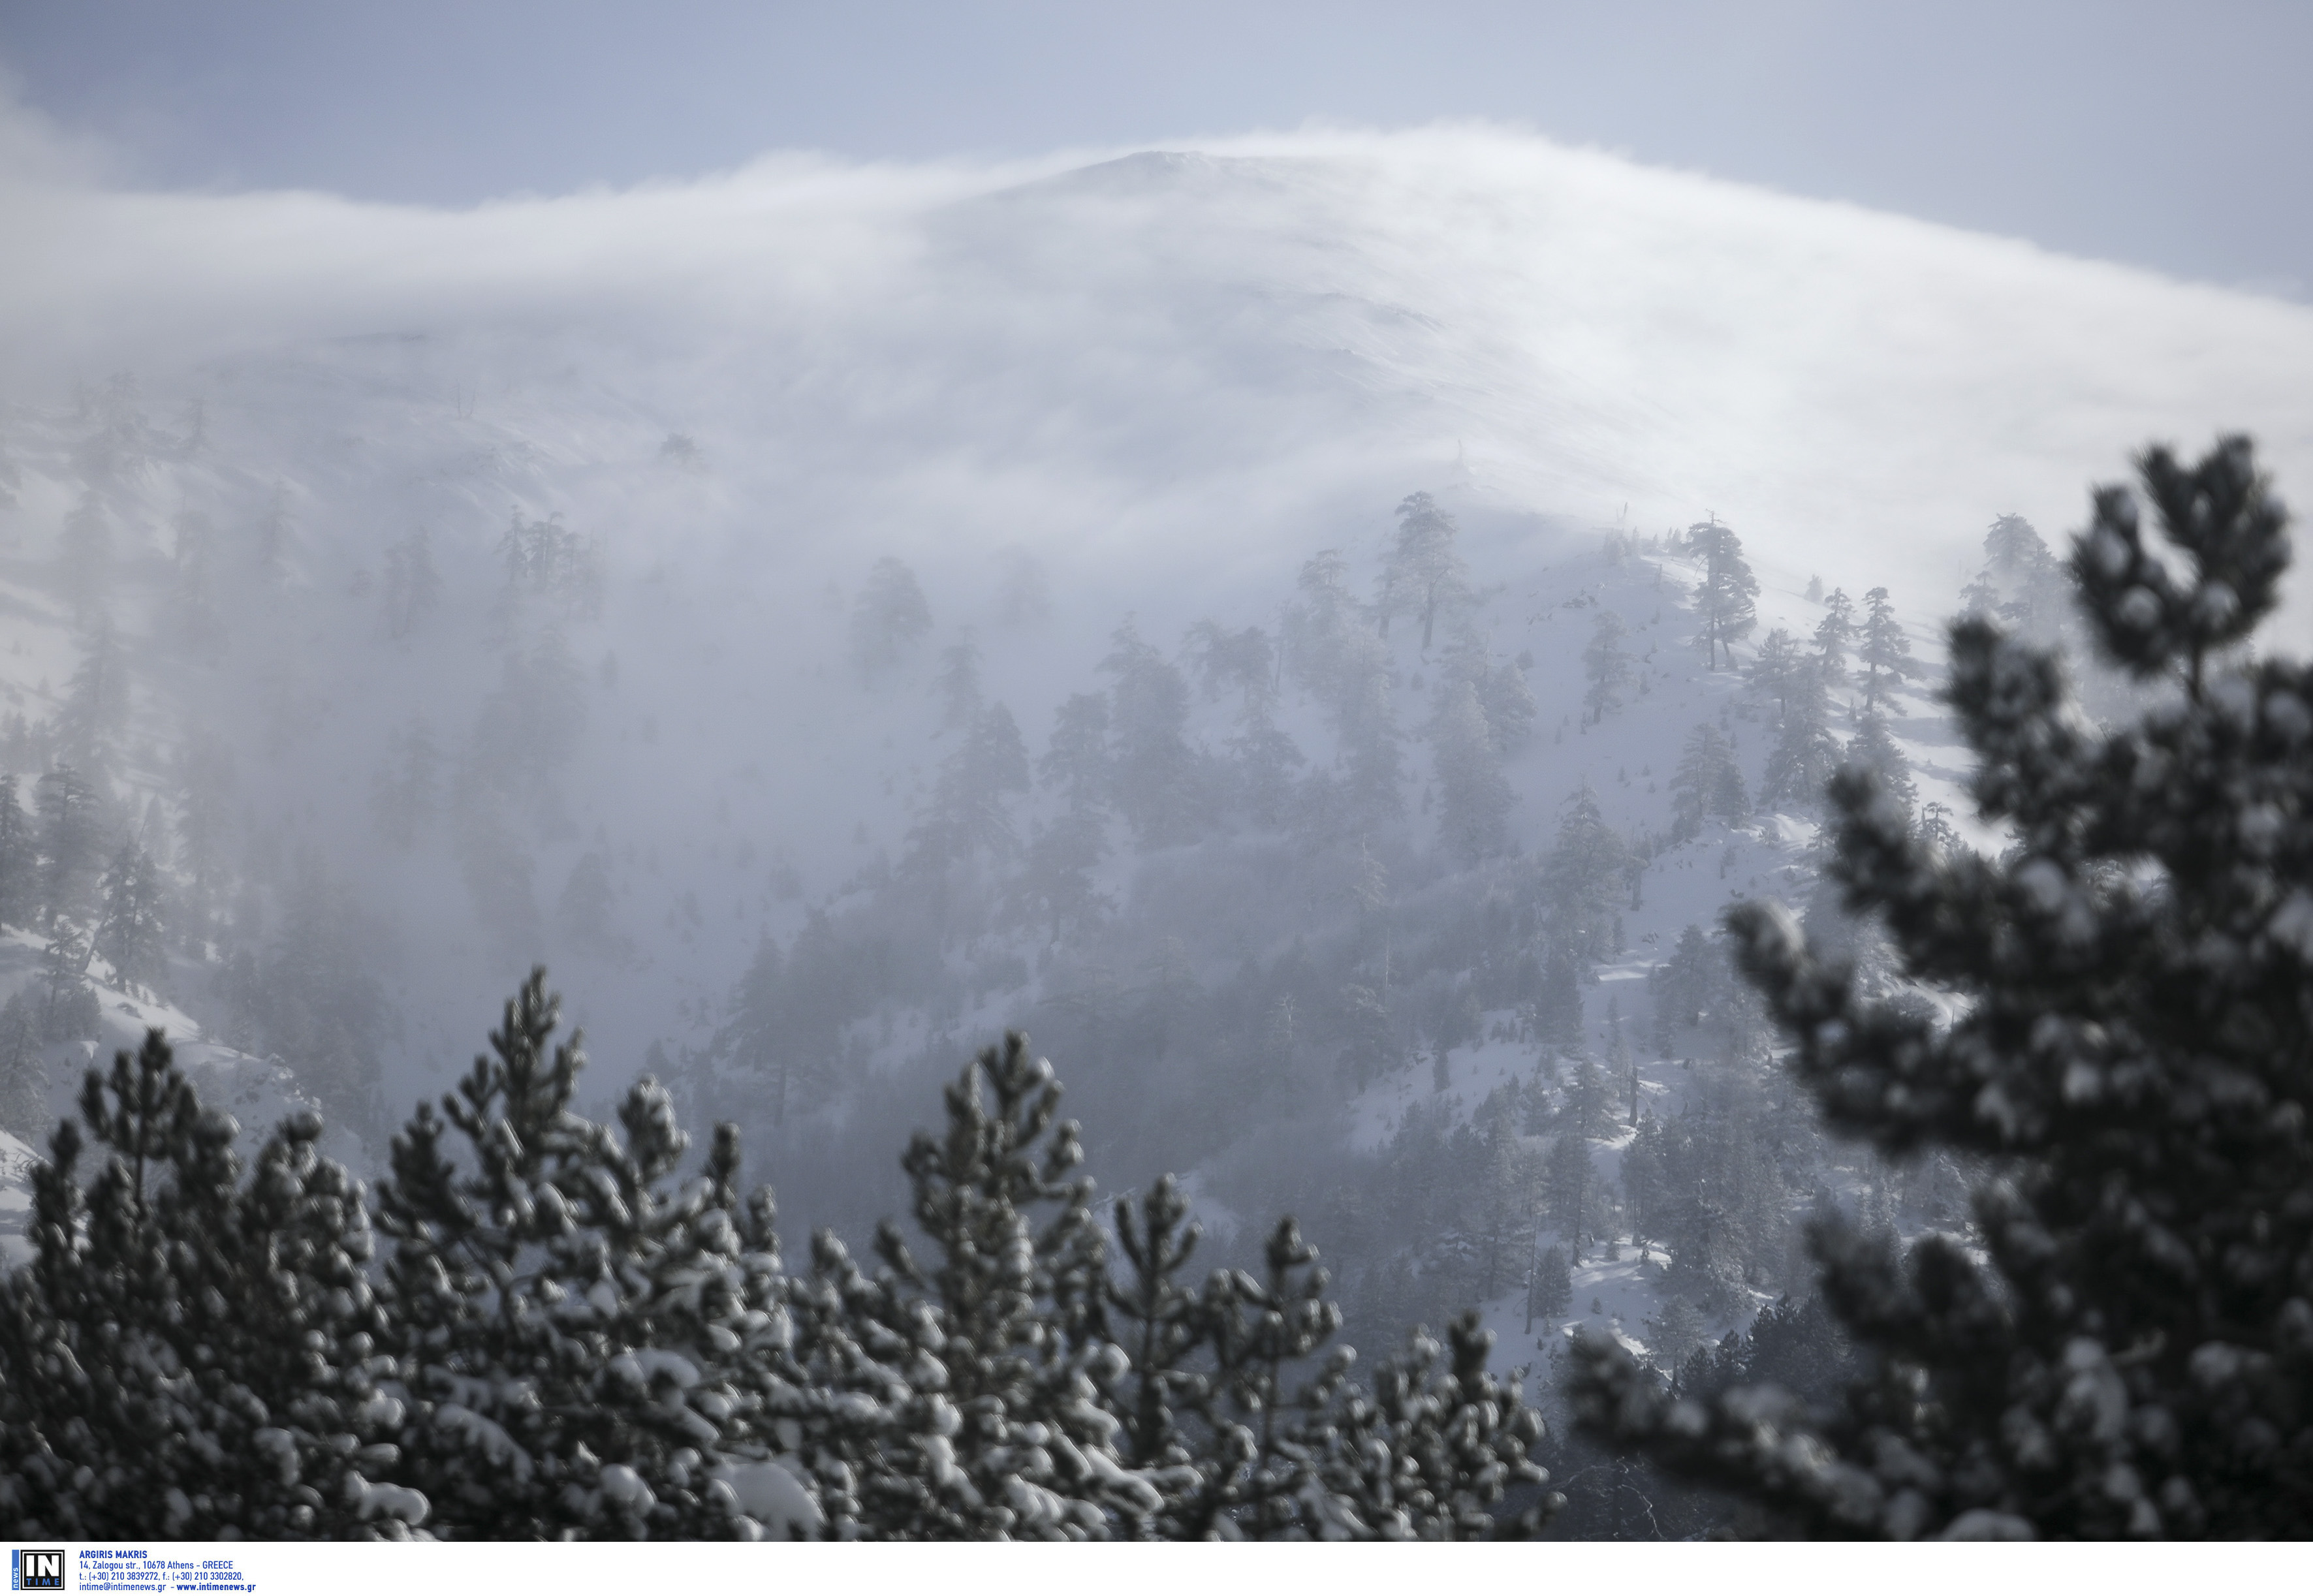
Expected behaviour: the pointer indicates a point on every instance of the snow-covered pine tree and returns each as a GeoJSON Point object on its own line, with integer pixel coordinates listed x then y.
{"type": "Point", "coordinates": [1873, 747]}
{"type": "Point", "coordinates": [959, 1398]}
{"type": "Point", "coordinates": [188, 1355]}
{"type": "Point", "coordinates": [1369, 1045]}
{"type": "Point", "coordinates": [1834, 636]}
{"type": "Point", "coordinates": [19, 859]}
{"type": "Point", "coordinates": [1076, 763]}
{"type": "Point", "coordinates": [1322, 614]}
{"type": "Point", "coordinates": [2022, 583]}
{"type": "Point", "coordinates": [1606, 664]}
{"type": "Point", "coordinates": [1156, 774]}
{"type": "Point", "coordinates": [1681, 987]}
{"type": "Point", "coordinates": [1438, 1444]}
{"type": "Point", "coordinates": [1502, 690]}
{"type": "Point", "coordinates": [1160, 1322]}
{"type": "Point", "coordinates": [1805, 753]}
{"type": "Point", "coordinates": [131, 932]}
{"type": "Point", "coordinates": [1556, 1011]}
{"type": "Point", "coordinates": [967, 816]}
{"type": "Point", "coordinates": [69, 1007]}
{"type": "Point", "coordinates": [755, 1037]}
{"type": "Point", "coordinates": [1775, 666]}
{"type": "Point", "coordinates": [1241, 661]}
{"type": "Point", "coordinates": [24, 1071]}
{"type": "Point", "coordinates": [1725, 602]}
{"type": "Point", "coordinates": [1580, 880]}
{"type": "Point", "coordinates": [1886, 652]}
{"type": "Point", "coordinates": [566, 1326]}
{"type": "Point", "coordinates": [1708, 781]}
{"type": "Point", "coordinates": [412, 588]}
{"type": "Point", "coordinates": [2133, 1355]}
{"type": "Point", "coordinates": [1423, 572]}
{"type": "Point", "coordinates": [1474, 797]}
{"type": "Point", "coordinates": [1550, 1291]}
{"type": "Point", "coordinates": [70, 810]}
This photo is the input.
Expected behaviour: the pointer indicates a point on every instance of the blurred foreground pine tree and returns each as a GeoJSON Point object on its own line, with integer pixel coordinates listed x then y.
{"type": "Point", "coordinates": [2125, 1346]}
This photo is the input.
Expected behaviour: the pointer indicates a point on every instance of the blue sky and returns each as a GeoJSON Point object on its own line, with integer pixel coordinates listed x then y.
{"type": "Point", "coordinates": [2166, 136]}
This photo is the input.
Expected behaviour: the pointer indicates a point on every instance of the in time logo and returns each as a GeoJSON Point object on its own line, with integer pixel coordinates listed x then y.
{"type": "Point", "coordinates": [36, 1571]}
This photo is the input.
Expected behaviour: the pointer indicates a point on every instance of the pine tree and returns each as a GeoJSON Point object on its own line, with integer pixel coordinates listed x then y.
{"type": "Point", "coordinates": [2022, 584]}
{"type": "Point", "coordinates": [1676, 1331]}
{"type": "Point", "coordinates": [1620, 1067]}
{"type": "Point", "coordinates": [1243, 663]}
{"type": "Point", "coordinates": [967, 816]}
{"type": "Point", "coordinates": [1708, 781]}
{"type": "Point", "coordinates": [958, 687]}
{"type": "Point", "coordinates": [1262, 760]}
{"type": "Point", "coordinates": [188, 1354]}
{"type": "Point", "coordinates": [1422, 573]}
{"type": "Point", "coordinates": [1886, 652]}
{"type": "Point", "coordinates": [1322, 614]}
{"type": "Point", "coordinates": [1551, 1292]}
{"type": "Point", "coordinates": [1681, 987]}
{"type": "Point", "coordinates": [131, 930]}
{"type": "Point", "coordinates": [2130, 1351]}
{"type": "Point", "coordinates": [816, 997]}
{"type": "Point", "coordinates": [1501, 687]}
{"type": "Point", "coordinates": [561, 1316]}
{"type": "Point", "coordinates": [85, 557]}
{"type": "Point", "coordinates": [1582, 879]}
{"type": "Point", "coordinates": [312, 997]}
{"type": "Point", "coordinates": [68, 1011]}
{"type": "Point", "coordinates": [1076, 762]}
{"type": "Point", "coordinates": [1154, 772]}
{"type": "Point", "coordinates": [1262, 1479]}
{"type": "Point", "coordinates": [1569, 1182]}
{"type": "Point", "coordinates": [1372, 759]}
{"type": "Point", "coordinates": [97, 702]}
{"type": "Point", "coordinates": [1834, 636]}
{"type": "Point", "coordinates": [888, 620]}
{"type": "Point", "coordinates": [1805, 753]}
{"type": "Point", "coordinates": [1558, 1003]}
{"type": "Point", "coordinates": [1161, 1324]}
{"type": "Point", "coordinates": [1474, 797]}
{"type": "Point", "coordinates": [760, 1040]}
{"type": "Point", "coordinates": [403, 792]}
{"type": "Point", "coordinates": [1055, 888]}
{"type": "Point", "coordinates": [956, 1398]}
{"type": "Point", "coordinates": [24, 1071]}
{"type": "Point", "coordinates": [1439, 1444]}
{"type": "Point", "coordinates": [1369, 1046]}
{"type": "Point", "coordinates": [19, 860]}
{"type": "Point", "coordinates": [1873, 747]}
{"type": "Point", "coordinates": [1725, 602]}
{"type": "Point", "coordinates": [412, 587]}
{"type": "Point", "coordinates": [70, 840]}
{"type": "Point", "coordinates": [1775, 667]}
{"type": "Point", "coordinates": [585, 908]}
{"type": "Point", "coordinates": [545, 562]}
{"type": "Point", "coordinates": [1605, 665]}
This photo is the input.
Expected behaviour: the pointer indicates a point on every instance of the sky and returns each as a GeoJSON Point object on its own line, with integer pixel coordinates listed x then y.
{"type": "Point", "coordinates": [2162, 135]}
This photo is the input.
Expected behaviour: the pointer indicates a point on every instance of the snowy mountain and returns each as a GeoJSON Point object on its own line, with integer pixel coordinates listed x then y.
{"type": "Point", "coordinates": [534, 583]}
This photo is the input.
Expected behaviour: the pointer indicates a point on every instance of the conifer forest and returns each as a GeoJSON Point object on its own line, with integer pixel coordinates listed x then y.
{"type": "Point", "coordinates": [885, 930]}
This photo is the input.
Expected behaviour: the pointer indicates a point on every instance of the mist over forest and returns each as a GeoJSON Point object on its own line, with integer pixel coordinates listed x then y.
{"type": "Point", "coordinates": [1316, 633]}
